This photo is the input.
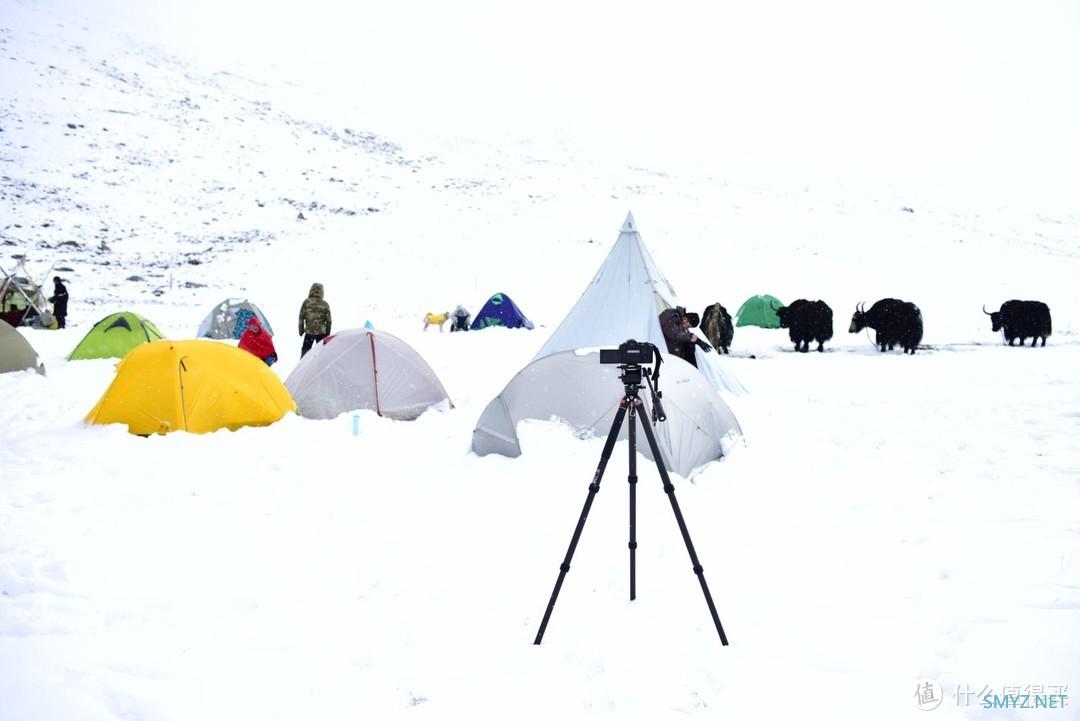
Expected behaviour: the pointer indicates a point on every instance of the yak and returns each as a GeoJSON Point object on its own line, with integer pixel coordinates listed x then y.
{"type": "Point", "coordinates": [895, 322]}
{"type": "Point", "coordinates": [806, 320]}
{"type": "Point", "coordinates": [1022, 319]}
{"type": "Point", "coordinates": [717, 326]}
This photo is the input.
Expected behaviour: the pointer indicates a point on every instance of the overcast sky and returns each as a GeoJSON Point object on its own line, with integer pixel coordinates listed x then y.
{"type": "Point", "coordinates": [943, 91]}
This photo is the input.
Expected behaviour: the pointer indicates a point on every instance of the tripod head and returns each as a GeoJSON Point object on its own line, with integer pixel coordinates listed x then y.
{"type": "Point", "coordinates": [631, 357]}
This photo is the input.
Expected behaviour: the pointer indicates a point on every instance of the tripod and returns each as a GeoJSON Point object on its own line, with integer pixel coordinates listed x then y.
{"type": "Point", "coordinates": [631, 376]}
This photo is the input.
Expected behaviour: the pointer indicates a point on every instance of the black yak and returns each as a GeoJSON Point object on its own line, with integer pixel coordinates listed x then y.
{"type": "Point", "coordinates": [895, 322]}
{"type": "Point", "coordinates": [1022, 319]}
{"type": "Point", "coordinates": [806, 320]}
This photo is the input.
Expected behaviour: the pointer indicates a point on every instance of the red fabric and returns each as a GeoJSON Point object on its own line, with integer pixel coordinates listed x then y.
{"type": "Point", "coordinates": [257, 341]}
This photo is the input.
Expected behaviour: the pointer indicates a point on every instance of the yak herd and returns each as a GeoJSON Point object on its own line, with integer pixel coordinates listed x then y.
{"type": "Point", "coordinates": [895, 323]}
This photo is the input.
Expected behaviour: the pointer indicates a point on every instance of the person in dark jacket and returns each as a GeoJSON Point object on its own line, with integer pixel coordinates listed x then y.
{"type": "Point", "coordinates": [675, 324]}
{"type": "Point", "coordinates": [315, 321]}
{"type": "Point", "coordinates": [59, 299]}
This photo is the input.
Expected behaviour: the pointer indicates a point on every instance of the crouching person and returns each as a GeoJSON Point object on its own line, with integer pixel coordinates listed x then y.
{"type": "Point", "coordinates": [460, 318]}
{"type": "Point", "coordinates": [258, 342]}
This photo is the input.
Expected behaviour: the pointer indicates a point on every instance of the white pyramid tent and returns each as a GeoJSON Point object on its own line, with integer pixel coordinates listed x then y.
{"type": "Point", "coordinates": [623, 301]}
{"type": "Point", "coordinates": [364, 368]}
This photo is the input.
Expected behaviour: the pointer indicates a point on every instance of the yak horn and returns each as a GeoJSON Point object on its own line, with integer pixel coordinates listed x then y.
{"type": "Point", "coordinates": [985, 311]}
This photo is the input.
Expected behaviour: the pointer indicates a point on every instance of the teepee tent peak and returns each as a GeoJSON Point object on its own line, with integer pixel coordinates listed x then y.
{"type": "Point", "coordinates": [623, 300]}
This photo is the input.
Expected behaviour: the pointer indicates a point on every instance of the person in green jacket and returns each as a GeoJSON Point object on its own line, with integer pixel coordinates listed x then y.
{"type": "Point", "coordinates": [314, 318]}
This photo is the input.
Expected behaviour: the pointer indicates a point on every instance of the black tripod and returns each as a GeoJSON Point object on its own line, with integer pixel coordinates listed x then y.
{"type": "Point", "coordinates": [631, 376]}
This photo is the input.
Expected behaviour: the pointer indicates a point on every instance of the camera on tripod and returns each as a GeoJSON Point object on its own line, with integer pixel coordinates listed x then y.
{"type": "Point", "coordinates": [631, 356]}
{"type": "Point", "coordinates": [629, 353]}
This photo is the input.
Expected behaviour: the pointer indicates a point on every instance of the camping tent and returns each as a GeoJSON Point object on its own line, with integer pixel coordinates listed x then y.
{"type": "Point", "coordinates": [585, 393]}
{"type": "Point", "coordinates": [500, 310]}
{"type": "Point", "coordinates": [22, 301]}
{"type": "Point", "coordinates": [364, 368]}
{"type": "Point", "coordinates": [191, 385]}
{"type": "Point", "coordinates": [16, 353]}
{"type": "Point", "coordinates": [114, 336]}
{"type": "Point", "coordinates": [229, 318]}
{"type": "Point", "coordinates": [758, 310]}
{"type": "Point", "coordinates": [623, 301]}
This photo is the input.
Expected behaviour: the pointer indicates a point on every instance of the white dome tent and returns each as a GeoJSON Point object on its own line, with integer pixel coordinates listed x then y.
{"type": "Point", "coordinates": [623, 301]}
{"type": "Point", "coordinates": [364, 368]}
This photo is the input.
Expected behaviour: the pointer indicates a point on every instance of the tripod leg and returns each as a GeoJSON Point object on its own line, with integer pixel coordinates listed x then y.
{"type": "Point", "coordinates": [632, 480]}
{"type": "Point", "coordinates": [613, 435]}
{"type": "Point", "coordinates": [670, 491]}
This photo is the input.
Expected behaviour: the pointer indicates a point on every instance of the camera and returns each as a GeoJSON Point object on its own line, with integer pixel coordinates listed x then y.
{"type": "Point", "coordinates": [629, 353]}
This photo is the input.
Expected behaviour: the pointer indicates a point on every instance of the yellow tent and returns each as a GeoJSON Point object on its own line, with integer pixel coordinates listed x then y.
{"type": "Point", "coordinates": [192, 385]}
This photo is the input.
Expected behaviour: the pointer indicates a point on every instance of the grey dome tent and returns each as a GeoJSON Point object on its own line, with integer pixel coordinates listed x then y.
{"type": "Point", "coordinates": [229, 318]}
{"type": "Point", "coordinates": [16, 353]}
{"type": "Point", "coordinates": [563, 380]}
{"type": "Point", "coordinates": [364, 368]}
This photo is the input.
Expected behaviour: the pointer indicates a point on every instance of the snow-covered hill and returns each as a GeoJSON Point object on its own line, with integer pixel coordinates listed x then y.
{"type": "Point", "coordinates": [888, 519]}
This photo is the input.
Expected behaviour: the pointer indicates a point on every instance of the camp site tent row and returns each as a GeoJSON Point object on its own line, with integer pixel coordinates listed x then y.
{"type": "Point", "coordinates": [201, 386]}
{"type": "Point", "coordinates": [566, 380]}
{"type": "Point", "coordinates": [16, 353]}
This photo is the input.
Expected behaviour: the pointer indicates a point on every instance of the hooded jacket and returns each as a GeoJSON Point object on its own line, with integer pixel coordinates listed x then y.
{"type": "Point", "coordinates": [680, 341]}
{"type": "Point", "coordinates": [315, 313]}
{"type": "Point", "coordinates": [257, 341]}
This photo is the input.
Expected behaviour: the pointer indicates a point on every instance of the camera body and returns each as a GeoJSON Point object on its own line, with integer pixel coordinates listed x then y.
{"type": "Point", "coordinates": [629, 353]}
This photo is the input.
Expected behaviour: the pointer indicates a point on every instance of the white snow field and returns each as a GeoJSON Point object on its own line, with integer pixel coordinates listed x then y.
{"type": "Point", "coordinates": [888, 520]}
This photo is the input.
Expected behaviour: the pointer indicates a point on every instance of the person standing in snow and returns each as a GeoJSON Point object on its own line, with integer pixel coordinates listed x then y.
{"type": "Point", "coordinates": [315, 319]}
{"type": "Point", "coordinates": [258, 342]}
{"type": "Point", "coordinates": [59, 299]}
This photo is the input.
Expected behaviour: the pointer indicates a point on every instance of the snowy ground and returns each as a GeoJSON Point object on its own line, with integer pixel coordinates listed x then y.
{"type": "Point", "coordinates": [888, 518]}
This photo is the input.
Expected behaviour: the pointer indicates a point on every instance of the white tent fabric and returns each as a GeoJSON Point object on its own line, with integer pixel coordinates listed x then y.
{"type": "Point", "coordinates": [623, 301]}
{"type": "Point", "coordinates": [222, 321]}
{"type": "Point", "coordinates": [578, 389]}
{"type": "Point", "coordinates": [364, 368]}
{"type": "Point", "coordinates": [16, 353]}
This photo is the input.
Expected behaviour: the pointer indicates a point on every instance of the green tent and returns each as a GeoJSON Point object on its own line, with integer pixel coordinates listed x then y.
{"type": "Point", "coordinates": [114, 336]}
{"type": "Point", "coordinates": [758, 310]}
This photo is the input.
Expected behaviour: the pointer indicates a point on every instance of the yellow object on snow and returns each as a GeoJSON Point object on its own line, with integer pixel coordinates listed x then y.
{"type": "Point", "coordinates": [193, 385]}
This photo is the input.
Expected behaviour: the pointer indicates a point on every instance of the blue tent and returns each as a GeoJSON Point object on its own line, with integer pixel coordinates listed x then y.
{"type": "Point", "coordinates": [500, 310]}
